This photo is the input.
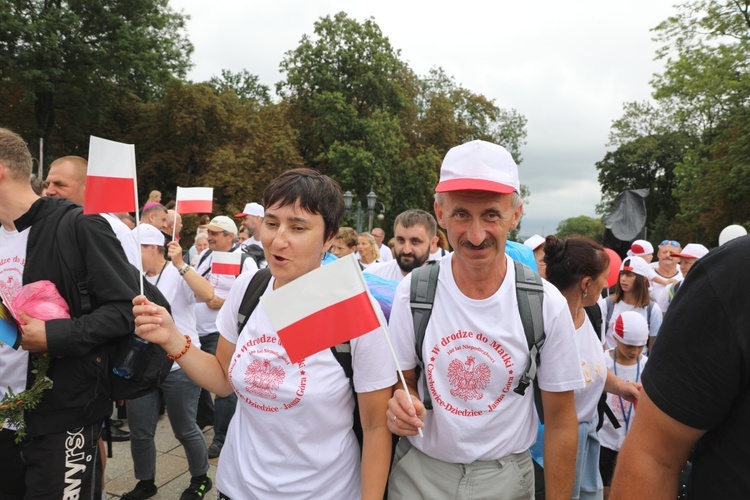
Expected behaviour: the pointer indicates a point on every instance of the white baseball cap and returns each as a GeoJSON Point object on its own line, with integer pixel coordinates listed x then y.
{"type": "Point", "coordinates": [635, 265]}
{"type": "Point", "coordinates": [149, 235]}
{"type": "Point", "coordinates": [534, 242]}
{"type": "Point", "coordinates": [222, 223]}
{"type": "Point", "coordinates": [641, 248]}
{"type": "Point", "coordinates": [479, 166]}
{"type": "Point", "coordinates": [692, 251]}
{"type": "Point", "coordinates": [255, 209]}
{"type": "Point", "coordinates": [631, 328]}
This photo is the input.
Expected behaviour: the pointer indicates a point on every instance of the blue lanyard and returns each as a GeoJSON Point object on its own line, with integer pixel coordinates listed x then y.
{"type": "Point", "coordinates": [622, 405]}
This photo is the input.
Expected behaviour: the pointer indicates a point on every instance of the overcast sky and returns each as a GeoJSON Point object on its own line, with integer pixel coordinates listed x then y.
{"type": "Point", "coordinates": [568, 67]}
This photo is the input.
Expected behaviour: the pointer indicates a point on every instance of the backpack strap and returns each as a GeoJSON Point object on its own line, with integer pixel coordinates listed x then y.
{"type": "Point", "coordinates": [602, 408]}
{"type": "Point", "coordinates": [595, 316]}
{"type": "Point", "coordinates": [255, 289]}
{"type": "Point", "coordinates": [421, 298]}
{"type": "Point", "coordinates": [203, 258]}
{"type": "Point", "coordinates": [530, 295]}
{"type": "Point", "coordinates": [66, 241]}
{"type": "Point", "coordinates": [610, 308]}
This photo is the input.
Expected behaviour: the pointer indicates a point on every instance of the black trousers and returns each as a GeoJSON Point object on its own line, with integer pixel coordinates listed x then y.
{"type": "Point", "coordinates": [64, 465]}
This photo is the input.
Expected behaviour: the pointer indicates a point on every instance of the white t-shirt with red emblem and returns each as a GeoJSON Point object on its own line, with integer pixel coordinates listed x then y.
{"type": "Point", "coordinates": [474, 352]}
{"type": "Point", "coordinates": [291, 435]}
{"type": "Point", "coordinates": [13, 363]}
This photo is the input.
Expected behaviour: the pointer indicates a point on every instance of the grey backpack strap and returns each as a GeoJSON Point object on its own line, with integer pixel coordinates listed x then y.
{"type": "Point", "coordinates": [421, 298]}
{"type": "Point", "coordinates": [610, 309]}
{"type": "Point", "coordinates": [530, 295]}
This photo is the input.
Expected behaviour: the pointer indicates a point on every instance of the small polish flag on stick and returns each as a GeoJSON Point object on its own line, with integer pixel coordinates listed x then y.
{"type": "Point", "coordinates": [326, 307]}
{"type": "Point", "coordinates": [194, 200]}
{"type": "Point", "coordinates": [226, 262]}
{"type": "Point", "coordinates": [110, 180]}
{"type": "Point", "coordinates": [321, 309]}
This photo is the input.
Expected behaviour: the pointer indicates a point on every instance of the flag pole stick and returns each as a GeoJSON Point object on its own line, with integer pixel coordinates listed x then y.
{"type": "Point", "coordinates": [384, 328]}
{"type": "Point", "coordinates": [137, 224]}
{"type": "Point", "coordinates": [174, 222]}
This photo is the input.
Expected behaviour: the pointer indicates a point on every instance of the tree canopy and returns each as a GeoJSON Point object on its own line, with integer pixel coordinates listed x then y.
{"type": "Point", "coordinates": [690, 145]}
{"type": "Point", "coordinates": [581, 226]}
{"type": "Point", "coordinates": [69, 61]}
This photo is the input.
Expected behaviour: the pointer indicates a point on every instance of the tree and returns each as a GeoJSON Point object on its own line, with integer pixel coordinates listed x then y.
{"type": "Point", "coordinates": [692, 142]}
{"type": "Point", "coordinates": [246, 86]}
{"type": "Point", "coordinates": [450, 114]}
{"type": "Point", "coordinates": [645, 162]}
{"type": "Point", "coordinates": [73, 59]}
{"type": "Point", "coordinates": [196, 137]}
{"type": "Point", "coordinates": [581, 226]}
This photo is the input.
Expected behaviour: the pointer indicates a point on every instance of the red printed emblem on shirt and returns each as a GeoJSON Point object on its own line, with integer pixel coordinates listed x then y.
{"type": "Point", "coordinates": [263, 379]}
{"type": "Point", "coordinates": [473, 360]}
{"type": "Point", "coordinates": [468, 378]}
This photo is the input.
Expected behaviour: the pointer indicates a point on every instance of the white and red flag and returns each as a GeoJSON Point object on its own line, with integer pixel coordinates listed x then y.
{"type": "Point", "coordinates": [195, 200]}
{"type": "Point", "coordinates": [226, 262]}
{"type": "Point", "coordinates": [323, 308]}
{"type": "Point", "coordinates": [110, 181]}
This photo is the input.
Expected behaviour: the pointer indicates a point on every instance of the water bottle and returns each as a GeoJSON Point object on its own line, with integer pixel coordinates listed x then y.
{"type": "Point", "coordinates": [132, 358]}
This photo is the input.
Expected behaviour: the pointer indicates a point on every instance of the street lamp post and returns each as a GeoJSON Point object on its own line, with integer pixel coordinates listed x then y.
{"type": "Point", "coordinates": [372, 199]}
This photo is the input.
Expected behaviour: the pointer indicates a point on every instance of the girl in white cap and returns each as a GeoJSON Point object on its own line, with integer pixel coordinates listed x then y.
{"type": "Point", "coordinates": [626, 360]}
{"type": "Point", "coordinates": [631, 294]}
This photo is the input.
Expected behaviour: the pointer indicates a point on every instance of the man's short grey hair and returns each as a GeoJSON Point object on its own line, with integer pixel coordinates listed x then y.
{"type": "Point", "coordinates": [517, 201]}
{"type": "Point", "coordinates": [416, 217]}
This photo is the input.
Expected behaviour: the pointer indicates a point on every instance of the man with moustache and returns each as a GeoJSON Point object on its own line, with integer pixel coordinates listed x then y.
{"type": "Point", "coordinates": [667, 268]}
{"type": "Point", "coordinates": [414, 230]}
{"type": "Point", "coordinates": [478, 433]}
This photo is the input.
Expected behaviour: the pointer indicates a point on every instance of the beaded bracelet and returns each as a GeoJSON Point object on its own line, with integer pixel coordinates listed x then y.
{"type": "Point", "coordinates": [179, 355]}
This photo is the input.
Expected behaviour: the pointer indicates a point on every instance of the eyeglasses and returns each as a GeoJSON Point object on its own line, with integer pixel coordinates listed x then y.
{"type": "Point", "coordinates": [670, 242]}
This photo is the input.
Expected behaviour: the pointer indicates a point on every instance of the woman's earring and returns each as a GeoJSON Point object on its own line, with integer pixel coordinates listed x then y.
{"type": "Point", "coordinates": [585, 294]}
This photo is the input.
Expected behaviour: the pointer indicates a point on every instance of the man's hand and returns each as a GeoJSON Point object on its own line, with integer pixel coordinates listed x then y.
{"type": "Point", "coordinates": [174, 250]}
{"type": "Point", "coordinates": [405, 414]}
{"type": "Point", "coordinates": [34, 338]}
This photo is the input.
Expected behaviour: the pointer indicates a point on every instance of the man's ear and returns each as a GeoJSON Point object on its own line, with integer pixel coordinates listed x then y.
{"type": "Point", "coordinates": [439, 214]}
{"type": "Point", "coordinates": [517, 213]}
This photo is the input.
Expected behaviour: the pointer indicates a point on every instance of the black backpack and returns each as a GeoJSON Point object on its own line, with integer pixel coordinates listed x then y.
{"type": "Point", "coordinates": [530, 295]}
{"type": "Point", "coordinates": [153, 366]}
{"type": "Point", "coordinates": [256, 253]}
{"type": "Point", "coordinates": [342, 352]}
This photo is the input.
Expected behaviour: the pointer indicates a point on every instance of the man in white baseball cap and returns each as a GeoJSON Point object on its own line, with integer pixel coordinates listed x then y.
{"type": "Point", "coordinates": [536, 243]}
{"type": "Point", "coordinates": [689, 255]}
{"type": "Point", "coordinates": [252, 219]}
{"type": "Point", "coordinates": [484, 427]}
{"type": "Point", "coordinates": [218, 412]}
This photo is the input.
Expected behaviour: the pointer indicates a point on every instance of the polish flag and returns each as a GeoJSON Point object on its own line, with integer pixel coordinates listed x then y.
{"type": "Point", "coordinates": [321, 309]}
{"type": "Point", "coordinates": [110, 181]}
{"type": "Point", "coordinates": [195, 200]}
{"type": "Point", "coordinates": [226, 262]}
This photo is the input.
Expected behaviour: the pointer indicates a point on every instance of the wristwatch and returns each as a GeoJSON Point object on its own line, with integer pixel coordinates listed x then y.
{"type": "Point", "coordinates": [184, 269]}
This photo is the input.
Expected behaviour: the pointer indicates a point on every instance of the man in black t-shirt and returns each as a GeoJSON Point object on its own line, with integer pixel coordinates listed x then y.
{"type": "Point", "coordinates": [696, 389]}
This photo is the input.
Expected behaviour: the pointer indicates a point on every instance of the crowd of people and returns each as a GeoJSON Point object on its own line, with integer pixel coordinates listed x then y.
{"type": "Point", "coordinates": [485, 348]}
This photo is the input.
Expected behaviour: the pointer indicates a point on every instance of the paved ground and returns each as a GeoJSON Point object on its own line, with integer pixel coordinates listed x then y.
{"type": "Point", "coordinates": [172, 474]}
